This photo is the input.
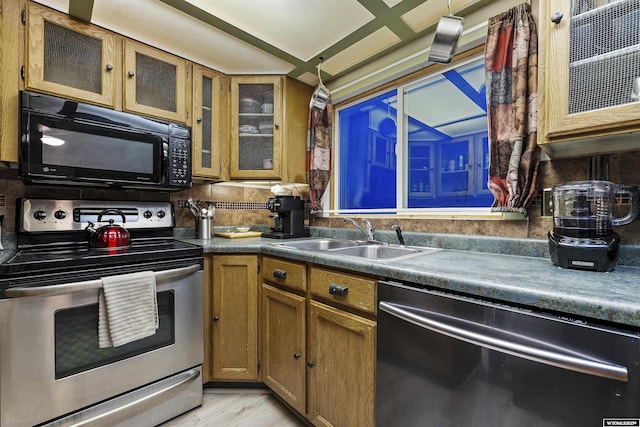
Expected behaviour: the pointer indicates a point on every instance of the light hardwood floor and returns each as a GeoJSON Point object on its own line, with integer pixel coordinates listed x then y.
{"type": "Point", "coordinates": [237, 408]}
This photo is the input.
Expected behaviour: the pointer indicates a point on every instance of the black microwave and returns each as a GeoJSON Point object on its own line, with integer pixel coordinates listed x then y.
{"type": "Point", "coordinates": [66, 142]}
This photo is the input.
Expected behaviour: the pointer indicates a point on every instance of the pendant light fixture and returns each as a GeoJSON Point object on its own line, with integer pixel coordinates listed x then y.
{"type": "Point", "coordinates": [445, 41]}
{"type": "Point", "coordinates": [321, 95]}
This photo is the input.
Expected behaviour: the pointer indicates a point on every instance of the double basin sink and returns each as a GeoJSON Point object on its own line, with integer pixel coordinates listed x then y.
{"type": "Point", "coordinates": [370, 250]}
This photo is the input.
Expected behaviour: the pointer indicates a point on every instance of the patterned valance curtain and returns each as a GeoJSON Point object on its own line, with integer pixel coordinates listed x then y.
{"type": "Point", "coordinates": [511, 67]}
{"type": "Point", "coordinates": [319, 154]}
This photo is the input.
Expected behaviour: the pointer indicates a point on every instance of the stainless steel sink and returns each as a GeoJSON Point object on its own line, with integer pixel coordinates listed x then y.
{"type": "Point", "coordinates": [375, 251]}
{"type": "Point", "coordinates": [382, 253]}
{"type": "Point", "coordinates": [319, 244]}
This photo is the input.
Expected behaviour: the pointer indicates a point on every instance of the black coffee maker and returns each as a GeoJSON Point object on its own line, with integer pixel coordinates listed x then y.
{"type": "Point", "coordinates": [583, 220]}
{"type": "Point", "coordinates": [288, 221]}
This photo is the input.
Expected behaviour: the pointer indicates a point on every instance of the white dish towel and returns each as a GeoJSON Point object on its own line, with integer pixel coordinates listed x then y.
{"type": "Point", "coordinates": [127, 308]}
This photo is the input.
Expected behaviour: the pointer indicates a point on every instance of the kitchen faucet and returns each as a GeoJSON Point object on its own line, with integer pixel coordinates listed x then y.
{"type": "Point", "coordinates": [398, 230]}
{"type": "Point", "coordinates": [368, 232]}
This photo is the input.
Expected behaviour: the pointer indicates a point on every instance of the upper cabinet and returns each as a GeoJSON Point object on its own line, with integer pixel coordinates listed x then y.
{"type": "Point", "coordinates": [269, 113]}
{"type": "Point", "coordinates": [155, 82]}
{"type": "Point", "coordinates": [70, 58]}
{"type": "Point", "coordinates": [77, 60]}
{"type": "Point", "coordinates": [11, 33]}
{"type": "Point", "coordinates": [590, 74]}
{"type": "Point", "coordinates": [209, 124]}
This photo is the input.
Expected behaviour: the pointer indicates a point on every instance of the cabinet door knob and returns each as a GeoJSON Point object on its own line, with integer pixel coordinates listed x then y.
{"type": "Point", "coordinates": [556, 17]}
{"type": "Point", "coordinates": [276, 126]}
{"type": "Point", "coordinates": [311, 364]}
{"type": "Point", "coordinates": [297, 356]}
{"type": "Point", "coordinates": [109, 67]}
{"type": "Point", "coordinates": [131, 74]}
{"type": "Point", "coordinates": [216, 318]}
{"type": "Point", "coordinates": [199, 120]}
{"type": "Point", "coordinates": [280, 274]}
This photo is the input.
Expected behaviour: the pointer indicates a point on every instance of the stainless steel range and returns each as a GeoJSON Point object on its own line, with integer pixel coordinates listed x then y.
{"type": "Point", "coordinates": [52, 370]}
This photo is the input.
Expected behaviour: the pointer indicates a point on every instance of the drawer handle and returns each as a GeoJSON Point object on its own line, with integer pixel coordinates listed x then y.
{"type": "Point", "coordinates": [280, 274]}
{"type": "Point", "coordinates": [337, 290]}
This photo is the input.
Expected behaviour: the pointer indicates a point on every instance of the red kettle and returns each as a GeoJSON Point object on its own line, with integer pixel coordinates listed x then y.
{"type": "Point", "coordinates": [108, 236]}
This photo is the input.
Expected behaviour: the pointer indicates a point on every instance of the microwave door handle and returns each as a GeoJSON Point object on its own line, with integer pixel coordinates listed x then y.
{"type": "Point", "coordinates": [87, 285]}
{"type": "Point", "coordinates": [496, 342]}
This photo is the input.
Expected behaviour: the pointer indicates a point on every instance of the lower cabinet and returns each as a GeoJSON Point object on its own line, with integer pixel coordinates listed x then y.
{"type": "Point", "coordinates": [341, 361]}
{"type": "Point", "coordinates": [234, 318]}
{"type": "Point", "coordinates": [318, 353]}
{"type": "Point", "coordinates": [283, 345]}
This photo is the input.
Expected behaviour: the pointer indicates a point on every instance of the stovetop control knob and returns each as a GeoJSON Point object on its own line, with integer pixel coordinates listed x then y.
{"type": "Point", "coordinates": [161, 214]}
{"type": "Point", "coordinates": [39, 215]}
{"type": "Point", "coordinates": [147, 214]}
{"type": "Point", "coordinates": [60, 214]}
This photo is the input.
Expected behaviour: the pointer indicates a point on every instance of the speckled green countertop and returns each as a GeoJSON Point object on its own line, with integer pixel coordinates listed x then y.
{"type": "Point", "coordinates": [530, 280]}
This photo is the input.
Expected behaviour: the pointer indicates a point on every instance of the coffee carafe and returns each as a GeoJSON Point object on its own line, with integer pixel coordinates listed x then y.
{"type": "Point", "coordinates": [288, 220]}
{"type": "Point", "coordinates": [583, 221]}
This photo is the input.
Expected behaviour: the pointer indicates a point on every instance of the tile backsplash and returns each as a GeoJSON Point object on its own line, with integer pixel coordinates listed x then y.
{"type": "Point", "coordinates": [246, 205]}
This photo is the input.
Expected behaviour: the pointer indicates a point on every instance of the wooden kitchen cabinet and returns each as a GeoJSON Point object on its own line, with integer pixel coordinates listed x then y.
{"type": "Point", "coordinates": [11, 33]}
{"type": "Point", "coordinates": [341, 349]}
{"type": "Point", "coordinates": [269, 116]}
{"type": "Point", "coordinates": [234, 318]}
{"type": "Point", "coordinates": [283, 345]}
{"type": "Point", "coordinates": [71, 58]}
{"type": "Point", "coordinates": [338, 350]}
{"type": "Point", "coordinates": [155, 82]}
{"type": "Point", "coordinates": [208, 319]}
{"type": "Point", "coordinates": [589, 75]}
{"type": "Point", "coordinates": [341, 367]}
{"type": "Point", "coordinates": [284, 329]}
{"type": "Point", "coordinates": [209, 124]}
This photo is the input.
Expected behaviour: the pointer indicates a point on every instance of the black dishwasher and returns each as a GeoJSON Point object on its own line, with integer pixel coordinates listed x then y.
{"type": "Point", "coordinates": [449, 360]}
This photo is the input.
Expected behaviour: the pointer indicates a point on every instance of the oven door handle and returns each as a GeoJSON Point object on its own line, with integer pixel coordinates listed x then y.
{"type": "Point", "coordinates": [121, 412]}
{"type": "Point", "coordinates": [505, 341]}
{"type": "Point", "coordinates": [89, 285]}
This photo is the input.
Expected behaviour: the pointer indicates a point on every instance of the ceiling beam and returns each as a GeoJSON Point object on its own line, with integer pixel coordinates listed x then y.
{"type": "Point", "coordinates": [236, 32]}
{"type": "Point", "coordinates": [81, 9]}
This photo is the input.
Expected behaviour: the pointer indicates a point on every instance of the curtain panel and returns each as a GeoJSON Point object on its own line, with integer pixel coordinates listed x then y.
{"type": "Point", "coordinates": [511, 67]}
{"type": "Point", "coordinates": [319, 154]}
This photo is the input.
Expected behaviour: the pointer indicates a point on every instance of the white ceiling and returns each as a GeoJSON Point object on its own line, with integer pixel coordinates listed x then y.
{"type": "Point", "coordinates": [275, 36]}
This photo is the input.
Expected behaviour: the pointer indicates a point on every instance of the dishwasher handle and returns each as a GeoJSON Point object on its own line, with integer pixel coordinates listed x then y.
{"type": "Point", "coordinates": [68, 288]}
{"type": "Point", "coordinates": [445, 325]}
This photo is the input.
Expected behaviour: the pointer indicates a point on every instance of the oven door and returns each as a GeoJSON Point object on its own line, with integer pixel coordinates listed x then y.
{"type": "Point", "coordinates": [50, 362]}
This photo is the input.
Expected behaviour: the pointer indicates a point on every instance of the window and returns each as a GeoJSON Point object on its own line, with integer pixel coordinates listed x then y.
{"type": "Point", "coordinates": [435, 158]}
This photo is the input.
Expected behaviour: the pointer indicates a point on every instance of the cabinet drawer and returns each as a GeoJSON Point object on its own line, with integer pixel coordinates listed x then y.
{"type": "Point", "coordinates": [286, 273]}
{"type": "Point", "coordinates": [355, 291]}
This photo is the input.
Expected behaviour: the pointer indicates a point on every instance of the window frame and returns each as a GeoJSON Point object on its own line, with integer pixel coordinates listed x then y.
{"type": "Point", "coordinates": [331, 204]}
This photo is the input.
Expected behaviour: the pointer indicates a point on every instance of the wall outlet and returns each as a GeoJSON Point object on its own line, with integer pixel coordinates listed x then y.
{"type": "Point", "coordinates": [547, 203]}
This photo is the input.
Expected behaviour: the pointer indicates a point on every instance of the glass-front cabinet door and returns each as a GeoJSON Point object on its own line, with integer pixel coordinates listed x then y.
{"type": "Point", "coordinates": [421, 169]}
{"type": "Point", "coordinates": [255, 127]}
{"type": "Point", "coordinates": [454, 172]}
{"type": "Point", "coordinates": [207, 128]}
{"type": "Point", "coordinates": [592, 68]}
{"type": "Point", "coordinates": [155, 82]}
{"type": "Point", "coordinates": [69, 58]}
